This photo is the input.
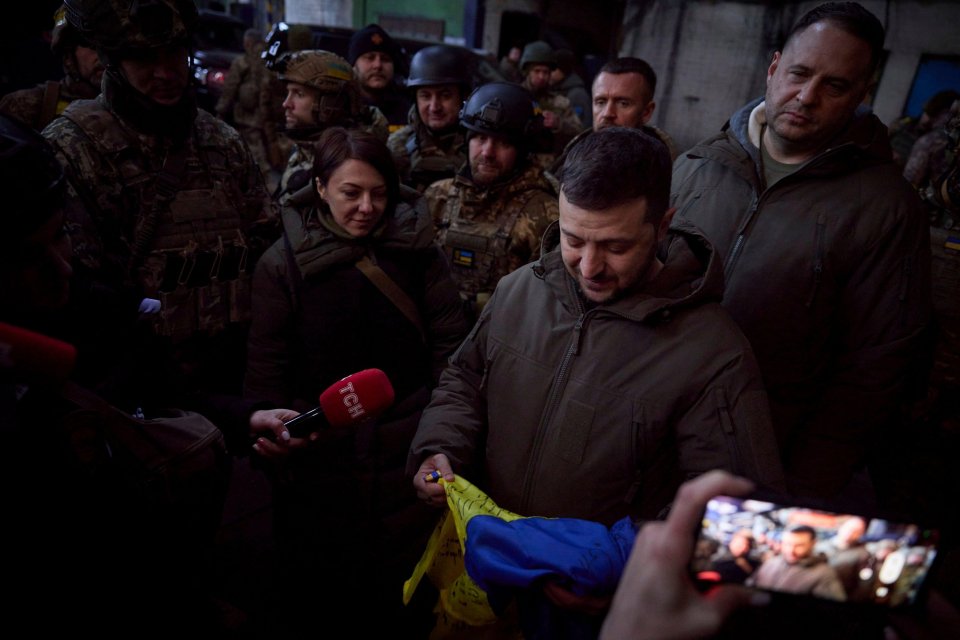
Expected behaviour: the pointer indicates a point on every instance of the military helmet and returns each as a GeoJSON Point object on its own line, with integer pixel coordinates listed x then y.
{"type": "Point", "coordinates": [538, 52]}
{"type": "Point", "coordinates": [285, 38]}
{"type": "Point", "coordinates": [441, 64]}
{"type": "Point", "coordinates": [322, 70]}
{"type": "Point", "coordinates": [31, 180]}
{"type": "Point", "coordinates": [504, 109]}
{"type": "Point", "coordinates": [331, 76]}
{"type": "Point", "coordinates": [63, 37]}
{"type": "Point", "coordinates": [114, 26]}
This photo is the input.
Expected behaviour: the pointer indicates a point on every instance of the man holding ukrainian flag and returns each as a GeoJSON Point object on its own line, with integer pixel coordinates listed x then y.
{"type": "Point", "coordinates": [600, 377]}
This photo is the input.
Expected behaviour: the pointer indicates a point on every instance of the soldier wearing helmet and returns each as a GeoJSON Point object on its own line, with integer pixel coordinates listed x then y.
{"type": "Point", "coordinates": [82, 68]}
{"type": "Point", "coordinates": [239, 104]}
{"type": "Point", "coordinates": [143, 557]}
{"type": "Point", "coordinates": [166, 208]}
{"type": "Point", "coordinates": [321, 93]}
{"type": "Point", "coordinates": [433, 146]}
{"type": "Point", "coordinates": [536, 64]}
{"type": "Point", "coordinates": [491, 216]}
{"type": "Point", "coordinates": [283, 38]}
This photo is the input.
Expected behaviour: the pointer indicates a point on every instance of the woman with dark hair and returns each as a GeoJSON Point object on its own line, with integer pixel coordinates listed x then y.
{"type": "Point", "coordinates": [348, 526]}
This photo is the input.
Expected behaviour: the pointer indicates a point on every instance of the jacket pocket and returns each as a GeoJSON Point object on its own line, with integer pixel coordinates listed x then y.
{"type": "Point", "coordinates": [575, 435]}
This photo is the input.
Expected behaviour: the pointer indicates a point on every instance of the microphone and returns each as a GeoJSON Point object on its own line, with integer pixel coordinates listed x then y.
{"type": "Point", "coordinates": [28, 356]}
{"type": "Point", "coordinates": [357, 397]}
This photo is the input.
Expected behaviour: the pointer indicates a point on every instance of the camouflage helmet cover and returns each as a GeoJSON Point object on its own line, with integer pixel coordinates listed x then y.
{"type": "Point", "coordinates": [322, 70]}
{"type": "Point", "coordinates": [504, 109]}
{"type": "Point", "coordinates": [331, 76]}
{"type": "Point", "coordinates": [121, 25]}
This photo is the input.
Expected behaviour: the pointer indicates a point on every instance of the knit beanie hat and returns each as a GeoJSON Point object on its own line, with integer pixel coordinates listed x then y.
{"type": "Point", "coordinates": [371, 38]}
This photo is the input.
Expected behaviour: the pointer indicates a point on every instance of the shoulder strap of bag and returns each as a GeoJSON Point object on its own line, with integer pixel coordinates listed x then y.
{"type": "Point", "coordinates": [48, 108]}
{"type": "Point", "coordinates": [393, 292]}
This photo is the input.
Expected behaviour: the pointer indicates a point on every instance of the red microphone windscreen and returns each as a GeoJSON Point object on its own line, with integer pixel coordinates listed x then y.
{"type": "Point", "coordinates": [362, 395]}
{"type": "Point", "coordinates": [34, 356]}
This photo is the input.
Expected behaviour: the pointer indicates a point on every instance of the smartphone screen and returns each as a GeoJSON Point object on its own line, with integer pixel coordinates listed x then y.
{"type": "Point", "coordinates": [804, 551]}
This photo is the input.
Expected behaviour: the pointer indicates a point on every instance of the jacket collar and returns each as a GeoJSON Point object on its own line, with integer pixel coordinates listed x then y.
{"type": "Point", "coordinates": [692, 275]}
{"type": "Point", "coordinates": [316, 248]}
{"type": "Point", "coordinates": [864, 136]}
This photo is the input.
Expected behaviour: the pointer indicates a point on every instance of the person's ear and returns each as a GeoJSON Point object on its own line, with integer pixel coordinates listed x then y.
{"type": "Point", "coordinates": [321, 189]}
{"type": "Point", "coordinates": [648, 112]}
{"type": "Point", "coordinates": [665, 224]}
{"type": "Point", "coordinates": [773, 66]}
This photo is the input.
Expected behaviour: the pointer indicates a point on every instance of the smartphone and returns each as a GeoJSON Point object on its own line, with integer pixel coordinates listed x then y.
{"type": "Point", "coordinates": [805, 551]}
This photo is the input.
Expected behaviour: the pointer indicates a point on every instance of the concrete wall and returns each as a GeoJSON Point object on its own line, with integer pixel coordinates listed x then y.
{"type": "Point", "coordinates": [711, 56]}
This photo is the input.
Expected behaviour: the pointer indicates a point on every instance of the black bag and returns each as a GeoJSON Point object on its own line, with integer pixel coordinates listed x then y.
{"type": "Point", "coordinates": [169, 472]}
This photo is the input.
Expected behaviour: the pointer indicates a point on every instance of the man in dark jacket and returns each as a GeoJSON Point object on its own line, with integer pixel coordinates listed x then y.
{"type": "Point", "coordinates": [826, 247]}
{"type": "Point", "coordinates": [377, 59]}
{"type": "Point", "coordinates": [798, 569]}
{"type": "Point", "coordinates": [600, 377]}
{"type": "Point", "coordinates": [622, 97]}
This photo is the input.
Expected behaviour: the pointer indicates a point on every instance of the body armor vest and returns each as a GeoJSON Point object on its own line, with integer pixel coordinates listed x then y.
{"type": "Point", "coordinates": [477, 249]}
{"type": "Point", "coordinates": [187, 236]}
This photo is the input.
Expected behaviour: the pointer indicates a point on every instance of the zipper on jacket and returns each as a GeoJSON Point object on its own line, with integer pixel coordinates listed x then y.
{"type": "Point", "coordinates": [818, 258]}
{"type": "Point", "coordinates": [741, 238]}
{"type": "Point", "coordinates": [550, 409]}
{"type": "Point", "coordinates": [638, 444]}
{"type": "Point", "coordinates": [731, 260]}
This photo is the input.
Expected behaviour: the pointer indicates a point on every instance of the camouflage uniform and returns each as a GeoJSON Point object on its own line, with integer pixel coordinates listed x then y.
{"type": "Point", "coordinates": [240, 103]}
{"type": "Point", "coordinates": [424, 158]}
{"type": "Point", "coordinates": [27, 105]}
{"type": "Point", "coordinates": [570, 124]}
{"type": "Point", "coordinates": [488, 232]}
{"type": "Point", "coordinates": [184, 241]}
{"type": "Point", "coordinates": [37, 106]}
{"type": "Point", "coordinates": [927, 159]}
{"type": "Point", "coordinates": [164, 209]}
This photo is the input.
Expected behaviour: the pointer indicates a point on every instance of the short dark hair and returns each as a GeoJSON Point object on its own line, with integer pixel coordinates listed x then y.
{"type": "Point", "coordinates": [336, 145]}
{"type": "Point", "coordinates": [850, 17]}
{"type": "Point", "coordinates": [614, 165]}
{"type": "Point", "coordinates": [632, 65]}
{"type": "Point", "coordinates": [802, 528]}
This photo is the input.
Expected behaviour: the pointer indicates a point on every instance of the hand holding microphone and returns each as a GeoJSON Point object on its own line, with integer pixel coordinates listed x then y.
{"type": "Point", "coordinates": [27, 356]}
{"type": "Point", "coordinates": [351, 400]}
